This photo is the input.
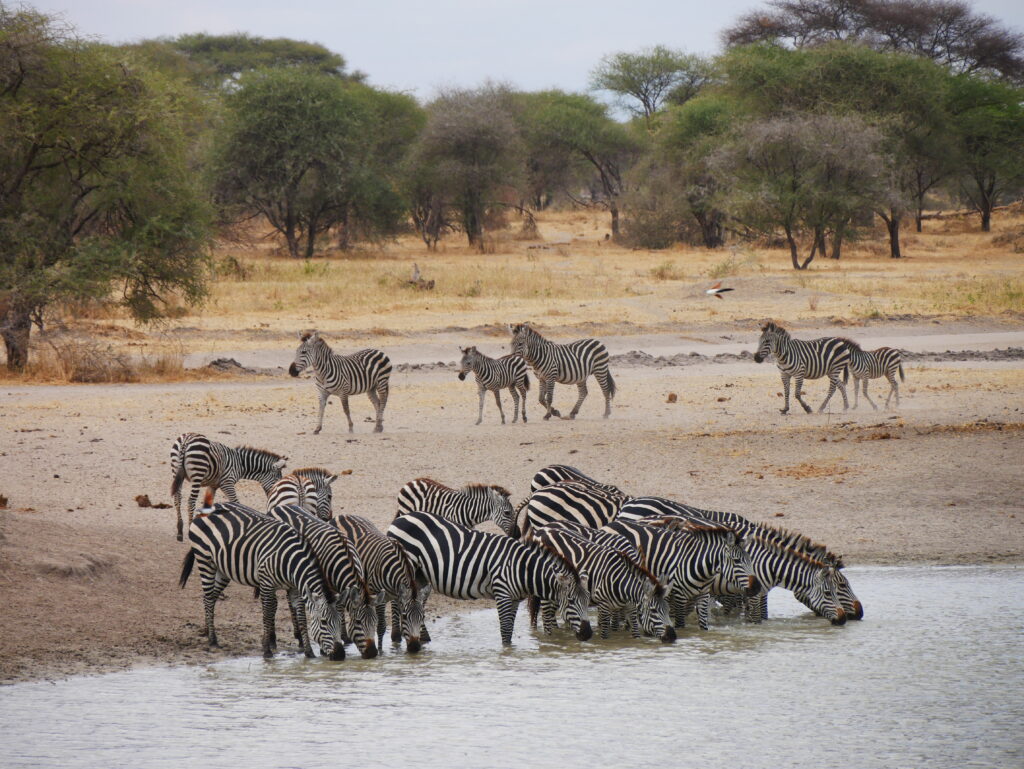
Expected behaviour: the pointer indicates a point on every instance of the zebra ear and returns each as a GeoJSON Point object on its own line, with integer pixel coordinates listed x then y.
{"type": "Point", "coordinates": [331, 479]}
{"type": "Point", "coordinates": [279, 464]}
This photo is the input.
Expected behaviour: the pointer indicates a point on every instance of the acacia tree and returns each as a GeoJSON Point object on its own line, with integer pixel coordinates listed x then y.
{"type": "Point", "coordinates": [95, 189]}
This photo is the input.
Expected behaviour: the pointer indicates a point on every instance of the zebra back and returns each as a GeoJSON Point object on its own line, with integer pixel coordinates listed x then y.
{"type": "Point", "coordinates": [569, 363]}
{"type": "Point", "coordinates": [572, 501]}
{"type": "Point", "coordinates": [553, 474]}
{"type": "Point", "coordinates": [362, 371]}
{"type": "Point", "coordinates": [293, 490]}
{"type": "Point", "coordinates": [469, 506]}
{"type": "Point", "coordinates": [825, 356]}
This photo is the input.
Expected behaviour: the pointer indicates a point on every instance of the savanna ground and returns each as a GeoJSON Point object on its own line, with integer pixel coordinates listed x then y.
{"type": "Point", "coordinates": [89, 579]}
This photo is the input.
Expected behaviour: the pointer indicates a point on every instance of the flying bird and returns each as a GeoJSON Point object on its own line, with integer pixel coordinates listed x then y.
{"type": "Point", "coordinates": [717, 290]}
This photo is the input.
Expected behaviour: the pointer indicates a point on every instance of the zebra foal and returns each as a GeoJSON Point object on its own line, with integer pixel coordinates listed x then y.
{"type": "Point", "coordinates": [469, 506]}
{"type": "Point", "coordinates": [203, 462]}
{"type": "Point", "coordinates": [495, 375]}
{"type": "Point", "coordinates": [570, 363]}
{"type": "Point", "coordinates": [367, 371]}
{"type": "Point", "coordinates": [874, 364]}
{"type": "Point", "coordinates": [800, 360]}
{"type": "Point", "coordinates": [308, 488]}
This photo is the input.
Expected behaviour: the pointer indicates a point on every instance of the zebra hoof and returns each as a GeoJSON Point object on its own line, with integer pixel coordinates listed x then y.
{"type": "Point", "coordinates": [316, 431]}
{"type": "Point", "coordinates": [378, 429]}
{"type": "Point", "coordinates": [783, 411]}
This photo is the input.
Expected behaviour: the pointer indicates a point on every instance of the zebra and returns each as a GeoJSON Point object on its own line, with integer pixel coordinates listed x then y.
{"type": "Point", "coordinates": [233, 542]}
{"type": "Point", "coordinates": [342, 570]}
{"type": "Point", "coordinates": [390, 576]}
{"type": "Point", "coordinates": [469, 506]}
{"type": "Point", "coordinates": [866, 365]}
{"type": "Point", "coordinates": [496, 374]}
{"type": "Point", "coordinates": [780, 558]}
{"type": "Point", "coordinates": [689, 556]}
{"type": "Point", "coordinates": [307, 487]}
{"type": "Point", "coordinates": [468, 563]}
{"type": "Point", "coordinates": [618, 582]}
{"type": "Point", "coordinates": [203, 462]}
{"type": "Point", "coordinates": [827, 356]}
{"type": "Point", "coordinates": [552, 474]}
{"type": "Point", "coordinates": [570, 501]}
{"type": "Point", "coordinates": [366, 371]}
{"type": "Point", "coordinates": [569, 363]}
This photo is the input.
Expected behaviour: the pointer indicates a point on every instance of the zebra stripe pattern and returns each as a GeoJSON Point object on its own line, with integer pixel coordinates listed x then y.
{"type": "Point", "coordinates": [232, 542]}
{"type": "Point", "coordinates": [342, 570]}
{"type": "Point", "coordinates": [800, 360]}
{"type": "Point", "coordinates": [203, 462]}
{"type": "Point", "coordinates": [467, 563]}
{"type": "Point", "coordinates": [366, 371]}
{"type": "Point", "coordinates": [867, 365]}
{"type": "Point", "coordinates": [390, 576]}
{"type": "Point", "coordinates": [308, 488]}
{"type": "Point", "coordinates": [570, 363]}
{"type": "Point", "coordinates": [616, 582]}
{"type": "Point", "coordinates": [469, 506]}
{"type": "Point", "coordinates": [552, 474]}
{"type": "Point", "coordinates": [495, 375]}
{"type": "Point", "coordinates": [571, 501]}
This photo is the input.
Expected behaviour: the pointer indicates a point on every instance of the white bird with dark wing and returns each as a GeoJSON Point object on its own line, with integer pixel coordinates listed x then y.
{"type": "Point", "coordinates": [717, 290]}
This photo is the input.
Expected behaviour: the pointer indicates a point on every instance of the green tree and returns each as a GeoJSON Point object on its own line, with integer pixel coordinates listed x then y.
{"type": "Point", "coordinates": [95, 187]}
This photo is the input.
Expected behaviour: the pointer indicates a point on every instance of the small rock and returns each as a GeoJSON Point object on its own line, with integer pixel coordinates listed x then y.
{"type": "Point", "coordinates": [142, 500]}
{"type": "Point", "coordinates": [672, 398]}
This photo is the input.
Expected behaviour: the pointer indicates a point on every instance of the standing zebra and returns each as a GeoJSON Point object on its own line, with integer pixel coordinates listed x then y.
{"type": "Point", "coordinates": [865, 365]}
{"type": "Point", "coordinates": [466, 563]}
{"type": "Point", "coordinates": [827, 356]}
{"type": "Point", "coordinates": [203, 462]}
{"type": "Point", "coordinates": [342, 571]}
{"type": "Point", "coordinates": [571, 501]}
{"type": "Point", "coordinates": [496, 374]}
{"type": "Point", "coordinates": [308, 488]}
{"type": "Point", "coordinates": [390, 576]}
{"type": "Point", "coordinates": [469, 506]}
{"type": "Point", "coordinates": [232, 542]}
{"type": "Point", "coordinates": [366, 371]}
{"type": "Point", "coordinates": [568, 363]}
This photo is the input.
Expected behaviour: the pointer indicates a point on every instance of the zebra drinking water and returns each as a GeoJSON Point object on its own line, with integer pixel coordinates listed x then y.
{"type": "Point", "coordinates": [308, 488]}
{"type": "Point", "coordinates": [569, 363]}
{"type": "Point", "coordinates": [824, 357]}
{"type": "Point", "coordinates": [467, 563]}
{"type": "Point", "coordinates": [203, 462]}
{"type": "Point", "coordinates": [496, 374]}
{"type": "Point", "coordinates": [469, 506]}
{"type": "Point", "coordinates": [866, 365]}
{"type": "Point", "coordinates": [366, 371]}
{"type": "Point", "coordinates": [233, 542]}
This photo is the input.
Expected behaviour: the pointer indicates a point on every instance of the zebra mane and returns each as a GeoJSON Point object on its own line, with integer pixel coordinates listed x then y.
{"type": "Point", "coordinates": [434, 484]}
{"type": "Point", "coordinates": [850, 342]}
{"type": "Point", "coordinates": [265, 452]}
{"type": "Point", "coordinates": [354, 559]}
{"type": "Point", "coordinates": [407, 566]}
{"type": "Point", "coordinates": [638, 566]}
{"type": "Point", "coordinates": [311, 472]}
{"type": "Point", "coordinates": [771, 325]}
{"type": "Point", "coordinates": [558, 557]}
{"type": "Point", "coordinates": [470, 487]}
{"type": "Point", "coordinates": [678, 522]}
{"type": "Point", "coordinates": [796, 542]}
{"type": "Point", "coordinates": [778, 546]}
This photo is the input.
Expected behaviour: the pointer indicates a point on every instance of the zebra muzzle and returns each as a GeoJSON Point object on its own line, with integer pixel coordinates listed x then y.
{"type": "Point", "coordinates": [294, 370]}
{"type": "Point", "coordinates": [858, 611]}
{"type": "Point", "coordinates": [462, 376]}
{"type": "Point", "coordinates": [338, 654]}
{"type": "Point", "coordinates": [585, 631]}
{"type": "Point", "coordinates": [412, 645]}
{"type": "Point", "coordinates": [840, 618]}
{"type": "Point", "coordinates": [369, 650]}
{"type": "Point", "coordinates": [669, 636]}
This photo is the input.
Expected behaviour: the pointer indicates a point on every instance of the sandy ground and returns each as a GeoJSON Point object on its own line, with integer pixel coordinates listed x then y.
{"type": "Point", "coordinates": [88, 580]}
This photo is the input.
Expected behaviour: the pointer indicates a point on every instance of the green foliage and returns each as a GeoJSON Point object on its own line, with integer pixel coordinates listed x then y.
{"type": "Point", "coordinates": [651, 77]}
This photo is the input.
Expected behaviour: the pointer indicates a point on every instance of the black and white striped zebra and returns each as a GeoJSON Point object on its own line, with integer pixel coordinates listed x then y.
{"type": "Point", "coordinates": [233, 542]}
{"type": "Point", "coordinates": [308, 488]}
{"type": "Point", "coordinates": [494, 375]}
{"type": "Point", "coordinates": [618, 582]}
{"type": "Point", "coordinates": [570, 363]}
{"type": "Point", "coordinates": [571, 501]}
{"type": "Point", "coordinates": [469, 506]}
{"type": "Point", "coordinates": [689, 557]}
{"type": "Point", "coordinates": [467, 563]}
{"type": "Point", "coordinates": [552, 474]}
{"type": "Point", "coordinates": [800, 360]}
{"type": "Point", "coordinates": [390, 575]}
{"type": "Point", "coordinates": [203, 462]}
{"type": "Point", "coordinates": [866, 365]}
{"type": "Point", "coordinates": [779, 557]}
{"type": "Point", "coordinates": [366, 371]}
{"type": "Point", "coordinates": [343, 571]}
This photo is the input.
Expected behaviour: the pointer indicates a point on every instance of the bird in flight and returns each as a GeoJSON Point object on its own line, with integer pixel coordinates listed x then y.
{"type": "Point", "coordinates": [717, 290]}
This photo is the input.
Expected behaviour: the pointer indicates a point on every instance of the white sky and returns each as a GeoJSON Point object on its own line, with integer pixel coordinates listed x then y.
{"type": "Point", "coordinates": [420, 46]}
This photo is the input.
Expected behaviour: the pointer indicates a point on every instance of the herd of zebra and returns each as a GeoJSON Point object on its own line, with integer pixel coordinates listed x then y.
{"type": "Point", "coordinates": [369, 371]}
{"type": "Point", "coordinates": [644, 562]}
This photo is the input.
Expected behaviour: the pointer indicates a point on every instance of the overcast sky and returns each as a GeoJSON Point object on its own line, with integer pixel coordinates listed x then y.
{"type": "Point", "coordinates": [420, 46]}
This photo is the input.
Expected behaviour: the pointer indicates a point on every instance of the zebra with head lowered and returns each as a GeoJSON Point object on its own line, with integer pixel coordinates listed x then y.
{"type": "Point", "coordinates": [203, 462]}
{"type": "Point", "coordinates": [570, 363]}
{"type": "Point", "coordinates": [496, 374]}
{"type": "Point", "coordinates": [874, 364]}
{"type": "Point", "coordinates": [390, 576]}
{"type": "Point", "coordinates": [469, 506]}
{"type": "Point", "coordinates": [308, 488]}
{"type": "Point", "coordinates": [342, 570]}
{"type": "Point", "coordinates": [233, 542]}
{"type": "Point", "coordinates": [467, 563]}
{"type": "Point", "coordinates": [800, 360]}
{"type": "Point", "coordinates": [367, 371]}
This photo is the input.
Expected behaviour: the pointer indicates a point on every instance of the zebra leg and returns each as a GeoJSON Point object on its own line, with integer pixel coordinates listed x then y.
{"type": "Point", "coordinates": [348, 414]}
{"type": "Point", "coordinates": [515, 403]}
{"type": "Point", "coordinates": [856, 390]}
{"type": "Point", "coordinates": [379, 404]}
{"type": "Point", "coordinates": [785, 390]}
{"type": "Point", "coordinates": [703, 610]}
{"type": "Point", "coordinates": [799, 397]}
{"type": "Point", "coordinates": [497, 399]}
{"type": "Point", "coordinates": [268, 599]}
{"type": "Point", "coordinates": [894, 389]}
{"type": "Point", "coordinates": [548, 618]}
{"type": "Point", "coordinates": [293, 600]}
{"type": "Point", "coordinates": [382, 623]}
{"type": "Point", "coordinates": [212, 589]}
{"type": "Point", "coordinates": [679, 609]}
{"type": "Point", "coordinates": [481, 394]}
{"type": "Point", "coordinates": [604, 621]}
{"type": "Point", "coordinates": [324, 395]}
{"type": "Point", "coordinates": [507, 608]}
{"type": "Point", "coordinates": [868, 398]}
{"type": "Point", "coordinates": [177, 509]}
{"type": "Point", "coordinates": [377, 410]}
{"type": "Point", "coordinates": [193, 495]}
{"type": "Point", "coordinates": [582, 387]}
{"type": "Point", "coordinates": [522, 397]}
{"type": "Point", "coordinates": [607, 384]}
{"type": "Point", "coordinates": [533, 604]}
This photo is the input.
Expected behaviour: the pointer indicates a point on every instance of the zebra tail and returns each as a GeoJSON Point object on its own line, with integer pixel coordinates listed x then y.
{"type": "Point", "coordinates": [611, 384]}
{"type": "Point", "coordinates": [902, 378]}
{"type": "Point", "coordinates": [179, 478]}
{"type": "Point", "coordinates": [846, 374]}
{"type": "Point", "coordinates": [186, 567]}
{"type": "Point", "coordinates": [526, 381]}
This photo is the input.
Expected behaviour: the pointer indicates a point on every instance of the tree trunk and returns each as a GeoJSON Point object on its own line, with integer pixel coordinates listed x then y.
{"type": "Point", "coordinates": [986, 218]}
{"type": "Point", "coordinates": [345, 232]}
{"type": "Point", "coordinates": [710, 228]}
{"type": "Point", "coordinates": [15, 329]}
{"type": "Point", "coordinates": [310, 239]}
{"type": "Point", "coordinates": [892, 224]}
{"type": "Point", "coordinates": [292, 239]}
{"type": "Point", "coordinates": [919, 219]}
{"type": "Point", "coordinates": [473, 221]}
{"type": "Point", "coordinates": [837, 242]}
{"type": "Point", "coordinates": [613, 208]}
{"type": "Point", "coordinates": [794, 252]}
